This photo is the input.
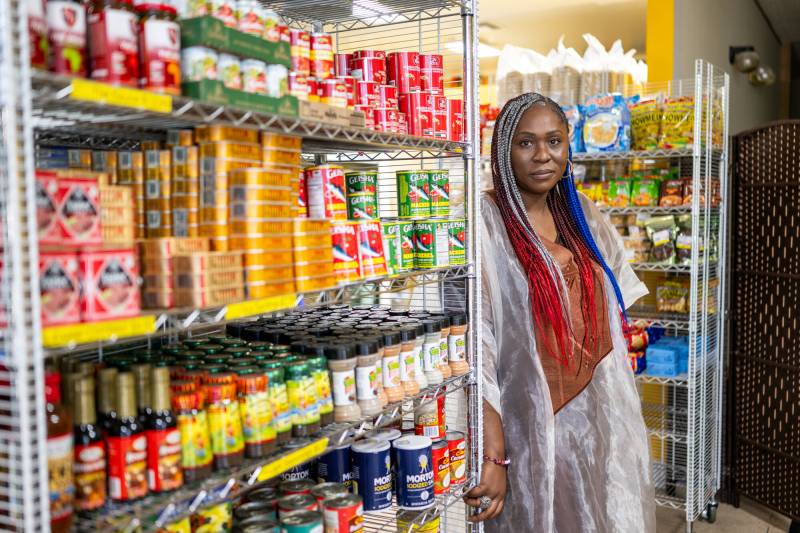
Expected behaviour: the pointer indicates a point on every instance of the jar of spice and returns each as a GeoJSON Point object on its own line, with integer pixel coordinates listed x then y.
{"type": "Point", "coordinates": [430, 351]}
{"type": "Point", "coordinates": [444, 325]}
{"type": "Point", "coordinates": [113, 42]}
{"type": "Point", "coordinates": [319, 371]}
{"type": "Point", "coordinates": [457, 344]}
{"type": "Point", "coordinates": [366, 377]}
{"type": "Point", "coordinates": [278, 399]}
{"type": "Point", "coordinates": [196, 455]}
{"type": "Point", "coordinates": [302, 399]}
{"type": "Point", "coordinates": [342, 363]}
{"type": "Point", "coordinates": [159, 48]}
{"type": "Point", "coordinates": [408, 361]}
{"type": "Point", "coordinates": [390, 365]}
{"type": "Point", "coordinates": [256, 412]}
{"type": "Point", "coordinates": [224, 421]}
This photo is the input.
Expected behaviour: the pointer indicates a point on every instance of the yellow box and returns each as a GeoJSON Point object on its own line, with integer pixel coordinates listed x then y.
{"type": "Point", "coordinates": [267, 257]}
{"type": "Point", "coordinates": [263, 193]}
{"type": "Point", "coordinates": [314, 268]}
{"type": "Point", "coordinates": [312, 240]}
{"type": "Point", "coordinates": [206, 279]}
{"type": "Point", "coordinates": [157, 159]}
{"type": "Point", "coordinates": [189, 186]}
{"type": "Point", "coordinates": [276, 140]}
{"type": "Point", "coordinates": [272, 156]}
{"type": "Point", "coordinates": [268, 273]}
{"type": "Point", "coordinates": [266, 289]}
{"type": "Point", "coordinates": [315, 284]}
{"type": "Point", "coordinates": [261, 225]}
{"type": "Point", "coordinates": [156, 189]}
{"type": "Point", "coordinates": [186, 201]}
{"type": "Point", "coordinates": [208, 261]}
{"type": "Point", "coordinates": [241, 210]}
{"type": "Point", "coordinates": [117, 215]}
{"type": "Point", "coordinates": [180, 137]}
{"type": "Point", "coordinates": [183, 217]}
{"type": "Point", "coordinates": [220, 244]}
{"type": "Point", "coordinates": [185, 161]}
{"type": "Point", "coordinates": [214, 230]}
{"type": "Point", "coordinates": [208, 298]}
{"type": "Point", "coordinates": [260, 242]}
{"type": "Point", "coordinates": [222, 165]}
{"type": "Point", "coordinates": [303, 255]}
{"type": "Point", "coordinates": [166, 248]}
{"type": "Point", "coordinates": [230, 149]}
{"type": "Point", "coordinates": [115, 195]}
{"type": "Point", "coordinates": [214, 215]}
{"type": "Point", "coordinates": [311, 225]}
{"type": "Point", "coordinates": [118, 234]}
{"type": "Point", "coordinates": [225, 133]}
{"type": "Point", "coordinates": [214, 198]}
{"type": "Point", "coordinates": [158, 204]}
{"type": "Point", "coordinates": [260, 176]}
{"type": "Point", "coordinates": [162, 231]}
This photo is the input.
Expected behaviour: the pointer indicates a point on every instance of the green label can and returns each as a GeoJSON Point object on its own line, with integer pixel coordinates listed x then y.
{"type": "Point", "coordinates": [432, 249]}
{"type": "Point", "coordinates": [362, 195]}
{"type": "Point", "coordinates": [405, 233]}
{"type": "Point", "coordinates": [457, 239]}
{"type": "Point", "coordinates": [391, 245]}
{"type": "Point", "coordinates": [439, 192]}
{"type": "Point", "coordinates": [413, 193]}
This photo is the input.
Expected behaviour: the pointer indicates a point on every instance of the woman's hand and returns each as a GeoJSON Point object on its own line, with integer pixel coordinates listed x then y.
{"type": "Point", "coordinates": [493, 485]}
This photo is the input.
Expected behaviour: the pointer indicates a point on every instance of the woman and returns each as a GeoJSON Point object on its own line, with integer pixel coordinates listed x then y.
{"type": "Point", "coordinates": [564, 441]}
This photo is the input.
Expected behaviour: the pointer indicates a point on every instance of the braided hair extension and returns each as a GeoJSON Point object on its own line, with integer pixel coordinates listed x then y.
{"type": "Point", "coordinates": [545, 281]}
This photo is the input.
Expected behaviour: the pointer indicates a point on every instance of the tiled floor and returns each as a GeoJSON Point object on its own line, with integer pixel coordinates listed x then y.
{"type": "Point", "coordinates": [749, 518]}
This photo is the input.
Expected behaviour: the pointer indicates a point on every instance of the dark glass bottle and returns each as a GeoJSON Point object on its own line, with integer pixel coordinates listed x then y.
{"type": "Point", "coordinates": [141, 373]}
{"type": "Point", "coordinates": [164, 471]}
{"type": "Point", "coordinates": [107, 398]}
{"type": "Point", "coordinates": [59, 456]}
{"type": "Point", "coordinates": [90, 450]}
{"type": "Point", "coordinates": [127, 446]}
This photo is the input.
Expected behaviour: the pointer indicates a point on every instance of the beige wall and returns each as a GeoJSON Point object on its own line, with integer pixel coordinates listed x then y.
{"type": "Point", "coordinates": [705, 29]}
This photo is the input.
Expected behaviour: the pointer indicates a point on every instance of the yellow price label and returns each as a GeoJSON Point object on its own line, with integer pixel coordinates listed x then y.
{"type": "Point", "coordinates": [92, 91]}
{"type": "Point", "coordinates": [297, 457]}
{"type": "Point", "coordinates": [260, 306]}
{"type": "Point", "coordinates": [55, 336]}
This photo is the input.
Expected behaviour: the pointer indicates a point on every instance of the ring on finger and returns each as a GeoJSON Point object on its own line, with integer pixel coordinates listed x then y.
{"type": "Point", "coordinates": [484, 502]}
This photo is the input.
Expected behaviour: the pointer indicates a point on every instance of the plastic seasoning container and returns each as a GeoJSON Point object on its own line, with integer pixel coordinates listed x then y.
{"type": "Point", "coordinates": [444, 367]}
{"type": "Point", "coordinates": [342, 364]}
{"type": "Point", "coordinates": [366, 377]}
{"type": "Point", "coordinates": [390, 366]}
{"type": "Point", "coordinates": [408, 356]}
{"type": "Point", "coordinates": [278, 399]}
{"type": "Point", "coordinates": [319, 371]}
{"type": "Point", "coordinates": [419, 367]}
{"type": "Point", "coordinates": [225, 425]}
{"type": "Point", "coordinates": [430, 351]}
{"type": "Point", "coordinates": [457, 345]}
{"type": "Point", "coordinates": [256, 412]}
{"type": "Point", "coordinates": [379, 369]}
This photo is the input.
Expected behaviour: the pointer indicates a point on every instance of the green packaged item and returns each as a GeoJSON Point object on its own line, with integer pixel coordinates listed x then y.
{"type": "Point", "coordinates": [457, 241]}
{"type": "Point", "coordinates": [619, 192]}
{"type": "Point", "coordinates": [662, 231]}
{"type": "Point", "coordinates": [431, 243]}
{"type": "Point", "coordinates": [644, 192]}
{"type": "Point", "coordinates": [439, 192]}
{"type": "Point", "coordinates": [391, 245]}
{"type": "Point", "coordinates": [413, 193]}
{"type": "Point", "coordinates": [407, 246]}
{"type": "Point", "coordinates": [362, 195]}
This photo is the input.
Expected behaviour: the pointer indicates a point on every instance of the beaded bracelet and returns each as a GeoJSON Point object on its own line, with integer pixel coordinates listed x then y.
{"type": "Point", "coordinates": [499, 462]}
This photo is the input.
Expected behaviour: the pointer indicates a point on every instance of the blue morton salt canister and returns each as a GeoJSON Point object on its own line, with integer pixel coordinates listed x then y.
{"type": "Point", "coordinates": [372, 473]}
{"type": "Point", "coordinates": [334, 467]}
{"type": "Point", "coordinates": [415, 473]}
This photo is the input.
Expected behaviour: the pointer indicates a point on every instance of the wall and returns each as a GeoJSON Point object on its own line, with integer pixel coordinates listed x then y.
{"type": "Point", "coordinates": [705, 29]}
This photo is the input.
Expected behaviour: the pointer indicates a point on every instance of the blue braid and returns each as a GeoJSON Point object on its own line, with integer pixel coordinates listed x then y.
{"type": "Point", "coordinates": [573, 202]}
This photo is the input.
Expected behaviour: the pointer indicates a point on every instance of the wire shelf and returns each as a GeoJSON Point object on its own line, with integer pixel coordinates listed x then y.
{"type": "Point", "coordinates": [647, 210]}
{"type": "Point", "coordinates": [357, 14]}
{"type": "Point", "coordinates": [580, 157]}
{"type": "Point", "coordinates": [681, 380]}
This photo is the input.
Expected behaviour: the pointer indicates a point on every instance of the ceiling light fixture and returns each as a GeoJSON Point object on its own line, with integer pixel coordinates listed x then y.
{"type": "Point", "coordinates": [746, 60]}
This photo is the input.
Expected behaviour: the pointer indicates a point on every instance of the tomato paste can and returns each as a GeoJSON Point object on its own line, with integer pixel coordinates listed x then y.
{"type": "Point", "coordinates": [431, 73]}
{"type": "Point", "coordinates": [326, 192]}
{"type": "Point", "coordinates": [439, 116]}
{"type": "Point", "coordinates": [343, 514]}
{"type": "Point", "coordinates": [251, 16]}
{"type": "Point", "coordinates": [297, 483]}
{"type": "Point", "coordinates": [293, 503]}
{"type": "Point", "coordinates": [457, 447]}
{"type": "Point", "coordinates": [455, 119]}
{"type": "Point", "coordinates": [407, 245]}
{"type": "Point", "coordinates": [391, 245]}
{"type": "Point", "coordinates": [224, 10]}
{"type": "Point", "coordinates": [403, 71]}
{"type": "Point", "coordinates": [413, 193]}
{"type": "Point", "coordinates": [410, 104]}
{"type": "Point", "coordinates": [369, 120]}
{"type": "Point", "coordinates": [313, 89]}
{"type": "Point", "coordinates": [341, 64]}
{"type": "Point", "coordinates": [66, 31]}
{"type": "Point", "coordinates": [402, 123]}
{"type": "Point", "coordinates": [160, 51]}
{"type": "Point", "coordinates": [370, 248]}
{"type": "Point", "coordinates": [334, 467]}
{"type": "Point", "coordinates": [345, 250]}
{"type": "Point", "coordinates": [372, 473]}
{"type": "Point", "coordinates": [285, 36]}
{"type": "Point", "coordinates": [362, 195]}
{"type": "Point", "coordinates": [385, 119]}
{"type": "Point", "coordinates": [366, 93]}
{"type": "Point", "coordinates": [457, 231]}
{"type": "Point", "coordinates": [302, 522]}
{"type": "Point", "coordinates": [441, 466]}
{"type": "Point", "coordinates": [387, 96]}
{"type": "Point", "coordinates": [298, 85]}
{"type": "Point", "coordinates": [369, 69]}
{"type": "Point", "coordinates": [300, 42]}
{"type": "Point", "coordinates": [254, 76]}
{"type": "Point", "coordinates": [321, 55]}
{"type": "Point", "coordinates": [350, 87]}
{"type": "Point", "coordinates": [415, 475]}
{"type": "Point", "coordinates": [363, 54]}
{"type": "Point", "coordinates": [427, 112]}
{"type": "Point", "coordinates": [114, 46]}
{"type": "Point", "coordinates": [430, 244]}
{"type": "Point", "coordinates": [332, 91]}
{"type": "Point", "coordinates": [439, 192]}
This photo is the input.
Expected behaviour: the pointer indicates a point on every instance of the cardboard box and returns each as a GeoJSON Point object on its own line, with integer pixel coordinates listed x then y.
{"type": "Point", "coordinates": [59, 288]}
{"type": "Point", "coordinates": [338, 116]}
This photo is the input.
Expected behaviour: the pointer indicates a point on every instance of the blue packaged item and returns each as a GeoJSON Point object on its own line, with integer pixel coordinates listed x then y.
{"type": "Point", "coordinates": [414, 472]}
{"type": "Point", "coordinates": [575, 120]}
{"type": "Point", "coordinates": [606, 124]}
{"type": "Point", "coordinates": [683, 365]}
{"type": "Point", "coordinates": [662, 353]}
{"type": "Point", "coordinates": [372, 473]}
{"type": "Point", "coordinates": [299, 472]}
{"type": "Point", "coordinates": [662, 370]}
{"type": "Point", "coordinates": [389, 435]}
{"type": "Point", "coordinates": [335, 467]}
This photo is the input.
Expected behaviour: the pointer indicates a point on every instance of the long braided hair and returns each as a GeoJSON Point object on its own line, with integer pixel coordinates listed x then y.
{"type": "Point", "coordinates": [545, 281]}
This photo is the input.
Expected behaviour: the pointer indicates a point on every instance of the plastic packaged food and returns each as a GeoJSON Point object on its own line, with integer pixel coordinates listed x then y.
{"type": "Point", "coordinates": [606, 125]}
{"type": "Point", "coordinates": [671, 193]}
{"type": "Point", "coordinates": [661, 231]}
{"type": "Point", "coordinates": [645, 125]}
{"type": "Point", "coordinates": [672, 297]}
{"type": "Point", "coordinates": [644, 192]}
{"type": "Point", "coordinates": [575, 122]}
{"type": "Point", "coordinates": [677, 123]}
{"type": "Point", "coordinates": [619, 192]}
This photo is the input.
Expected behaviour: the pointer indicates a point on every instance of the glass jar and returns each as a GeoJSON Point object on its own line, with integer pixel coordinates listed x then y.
{"type": "Point", "coordinates": [390, 366]}
{"type": "Point", "coordinates": [196, 455]}
{"type": "Point", "coordinates": [256, 412]}
{"type": "Point", "coordinates": [159, 48]}
{"type": "Point", "coordinates": [225, 425]}
{"type": "Point", "coordinates": [408, 358]}
{"type": "Point", "coordinates": [457, 344]}
{"type": "Point", "coordinates": [342, 364]}
{"type": "Point", "coordinates": [430, 351]}
{"type": "Point", "coordinates": [301, 390]}
{"type": "Point", "coordinates": [319, 371]}
{"type": "Point", "coordinates": [366, 377]}
{"type": "Point", "coordinates": [113, 42]}
{"type": "Point", "coordinates": [278, 399]}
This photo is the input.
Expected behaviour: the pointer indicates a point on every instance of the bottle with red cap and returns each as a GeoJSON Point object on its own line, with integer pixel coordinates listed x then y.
{"type": "Point", "coordinates": [59, 456]}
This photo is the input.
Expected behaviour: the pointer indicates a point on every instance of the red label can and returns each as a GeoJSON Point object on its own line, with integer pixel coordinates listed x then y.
{"type": "Point", "coordinates": [427, 111]}
{"type": "Point", "coordinates": [431, 73]}
{"type": "Point", "coordinates": [127, 467]}
{"type": "Point", "coordinates": [313, 89]}
{"type": "Point", "coordinates": [439, 116]}
{"type": "Point", "coordinates": [440, 457]}
{"type": "Point", "coordinates": [369, 69]}
{"type": "Point", "coordinates": [370, 249]}
{"type": "Point", "coordinates": [333, 91]}
{"type": "Point", "coordinates": [114, 45]}
{"type": "Point", "coordinates": [344, 239]}
{"type": "Point", "coordinates": [321, 55]}
{"type": "Point", "coordinates": [300, 42]}
{"type": "Point", "coordinates": [160, 52]}
{"type": "Point", "coordinates": [343, 514]}
{"type": "Point", "coordinates": [404, 71]}
{"type": "Point", "coordinates": [457, 447]}
{"type": "Point", "coordinates": [455, 119]}
{"type": "Point", "coordinates": [385, 119]}
{"type": "Point", "coordinates": [387, 96]}
{"type": "Point", "coordinates": [325, 189]}
{"type": "Point", "coordinates": [66, 31]}
{"type": "Point", "coordinates": [164, 459]}
{"type": "Point", "coordinates": [366, 93]}
{"type": "Point", "coordinates": [350, 85]}
{"type": "Point", "coordinates": [369, 119]}
{"type": "Point", "coordinates": [285, 36]}
{"type": "Point", "coordinates": [402, 124]}
{"type": "Point", "coordinates": [440, 415]}
{"type": "Point", "coordinates": [302, 198]}
{"type": "Point", "coordinates": [363, 54]}
{"type": "Point", "coordinates": [341, 64]}
{"type": "Point", "coordinates": [298, 85]}
{"type": "Point", "coordinates": [410, 104]}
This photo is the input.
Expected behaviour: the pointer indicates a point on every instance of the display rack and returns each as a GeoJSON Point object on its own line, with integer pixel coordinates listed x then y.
{"type": "Point", "coordinates": [683, 414]}
{"type": "Point", "coordinates": [41, 109]}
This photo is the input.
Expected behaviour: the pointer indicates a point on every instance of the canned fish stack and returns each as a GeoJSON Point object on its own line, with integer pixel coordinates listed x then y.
{"type": "Point", "coordinates": [117, 214]}
{"type": "Point", "coordinates": [106, 162]}
{"type": "Point", "coordinates": [312, 254]}
{"type": "Point", "coordinates": [158, 267]}
{"type": "Point", "coordinates": [185, 191]}
{"type": "Point", "coordinates": [208, 279]}
{"type": "Point", "coordinates": [130, 172]}
{"type": "Point", "coordinates": [158, 190]}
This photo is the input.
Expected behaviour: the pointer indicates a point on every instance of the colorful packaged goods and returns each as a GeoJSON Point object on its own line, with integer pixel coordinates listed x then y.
{"type": "Point", "coordinates": [372, 473]}
{"type": "Point", "coordinates": [575, 123]}
{"type": "Point", "coordinates": [109, 279]}
{"type": "Point", "coordinates": [457, 233]}
{"type": "Point", "coordinates": [78, 201]}
{"type": "Point", "coordinates": [159, 48]}
{"type": "Point", "coordinates": [59, 287]}
{"type": "Point", "coordinates": [677, 123]}
{"type": "Point", "coordinates": [662, 231]}
{"type": "Point", "coordinates": [415, 475]}
{"type": "Point", "coordinates": [362, 195]}
{"type": "Point", "coordinates": [671, 193]}
{"type": "Point", "coordinates": [431, 76]}
{"type": "Point", "coordinates": [455, 119]}
{"type": "Point", "coordinates": [250, 17]}
{"type": "Point", "coordinates": [427, 111]}
{"type": "Point", "coordinates": [411, 105]}
{"type": "Point", "coordinates": [370, 249]}
{"type": "Point", "coordinates": [333, 91]}
{"type": "Point", "coordinates": [431, 243]}
{"type": "Point", "coordinates": [619, 192]}
{"type": "Point", "coordinates": [440, 116]}
{"type": "Point", "coordinates": [403, 71]}
{"type": "Point", "coordinates": [413, 193]}
{"type": "Point", "coordinates": [67, 36]}
{"type": "Point", "coordinates": [645, 125]}
{"type": "Point", "coordinates": [314, 257]}
{"type": "Point", "coordinates": [158, 190]}
{"type": "Point", "coordinates": [325, 188]}
{"type": "Point", "coordinates": [321, 55]}
{"type": "Point", "coordinates": [37, 31]}
{"type": "Point", "coordinates": [346, 263]}
{"type": "Point", "coordinates": [439, 186]}
{"type": "Point", "coordinates": [113, 43]}
{"type": "Point", "coordinates": [644, 192]}
{"type": "Point", "coordinates": [391, 246]}
{"type": "Point", "coordinates": [301, 51]}
{"type": "Point", "coordinates": [368, 68]}
{"type": "Point", "coordinates": [606, 126]}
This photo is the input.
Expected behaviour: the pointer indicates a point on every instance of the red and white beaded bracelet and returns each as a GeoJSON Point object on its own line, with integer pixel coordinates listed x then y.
{"type": "Point", "coordinates": [499, 462]}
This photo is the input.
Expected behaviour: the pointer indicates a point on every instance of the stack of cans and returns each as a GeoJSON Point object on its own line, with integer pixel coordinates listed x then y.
{"type": "Point", "coordinates": [208, 279]}
{"type": "Point", "coordinates": [130, 172]}
{"type": "Point", "coordinates": [185, 191]}
{"type": "Point", "coordinates": [158, 267]}
{"type": "Point", "coordinates": [158, 191]}
{"type": "Point", "coordinates": [313, 255]}
{"type": "Point", "coordinates": [283, 152]}
{"type": "Point", "coordinates": [117, 214]}
{"type": "Point", "coordinates": [105, 161]}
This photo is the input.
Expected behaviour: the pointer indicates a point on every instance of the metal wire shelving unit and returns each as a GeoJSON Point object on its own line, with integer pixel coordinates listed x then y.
{"type": "Point", "coordinates": [37, 109]}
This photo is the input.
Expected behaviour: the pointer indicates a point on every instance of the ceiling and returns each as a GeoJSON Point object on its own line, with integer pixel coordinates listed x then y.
{"type": "Point", "coordinates": [784, 15]}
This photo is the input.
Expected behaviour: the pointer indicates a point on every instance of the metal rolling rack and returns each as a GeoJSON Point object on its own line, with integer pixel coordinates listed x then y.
{"type": "Point", "coordinates": [36, 108]}
{"type": "Point", "coordinates": [683, 414]}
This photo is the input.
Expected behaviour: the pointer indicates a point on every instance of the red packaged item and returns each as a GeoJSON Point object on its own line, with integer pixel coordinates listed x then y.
{"type": "Point", "coordinates": [402, 124]}
{"type": "Point", "coordinates": [114, 43]}
{"type": "Point", "coordinates": [321, 55]}
{"type": "Point", "coordinates": [370, 249]}
{"type": "Point", "coordinates": [366, 93]}
{"type": "Point", "coordinates": [431, 73]}
{"type": "Point", "coordinates": [333, 91]}
{"type": "Point", "coordinates": [341, 64]}
{"type": "Point", "coordinates": [455, 119]}
{"type": "Point", "coordinates": [325, 190]}
{"type": "Point", "coordinates": [79, 211]}
{"type": "Point", "coordinates": [350, 86]}
{"type": "Point", "coordinates": [37, 33]}
{"type": "Point", "coordinates": [441, 466]}
{"type": "Point", "coordinates": [49, 230]}
{"type": "Point", "coordinates": [385, 119]}
{"type": "Point", "coordinates": [427, 111]}
{"type": "Point", "coordinates": [284, 33]}
{"type": "Point", "coordinates": [159, 48]}
{"type": "Point", "coordinates": [163, 459]}
{"type": "Point", "coordinates": [313, 89]}
{"type": "Point", "coordinates": [364, 54]}
{"type": "Point", "coordinates": [403, 71]}
{"type": "Point", "coordinates": [411, 104]}
{"type": "Point", "coordinates": [387, 96]}
{"type": "Point", "coordinates": [439, 116]}
{"type": "Point", "coordinates": [369, 69]}
{"type": "Point", "coordinates": [344, 239]}
{"type": "Point", "coordinates": [298, 85]}
{"type": "Point", "coordinates": [369, 120]}
{"type": "Point", "coordinates": [59, 288]}
{"type": "Point", "coordinates": [127, 467]}
{"type": "Point", "coordinates": [66, 33]}
{"type": "Point", "coordinates": [302, 196]}
{"type": "Point", "coordinates": [110, 288]}
{"type": "Point", "coordinates": [300, 42]}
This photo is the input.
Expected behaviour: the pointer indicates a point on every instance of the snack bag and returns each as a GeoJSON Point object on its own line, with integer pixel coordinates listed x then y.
{"type": "Point", "coordinates": [661, 232]}
{"type": "Point", "coordinates": [619, 192]}
{"type": "Point", "coordinates": [672, 297]}
{"type": "Point", "coordinates": [575, 121]}
{"type": "Point", "coordinates": [677, 123]}
{"type": "Point", "coordinates": [671, 193]}
{"type": "Point", "coordinates": [644, 192]}
{"type": "Point", "coordinates": [645, 125]}
{"type": "Point", "coordinates": [607, 124]}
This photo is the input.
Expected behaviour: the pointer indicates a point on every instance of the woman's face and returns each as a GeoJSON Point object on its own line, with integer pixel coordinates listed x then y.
{"type": "Point", "coordinates": [539, 150]}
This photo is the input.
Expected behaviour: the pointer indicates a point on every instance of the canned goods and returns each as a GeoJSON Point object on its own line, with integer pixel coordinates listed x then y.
{"type": "Point", "coordinates": [341, 64]}
{"type": "Point", "coordinates": [229, 71]}
{"type": "Point", "coordinates": [289, 505]}
{"type": "Point", "coordinates": [455, 119]}
{"type": "Point", "coordinates": [250, 16]}
{"type": "Point", "coordinates": [413, 193]}
{"type": "Point", "coordinates": [411, 105]}
{"type": "Point", "coordinates": [415, 476]}
{"type": "Point", "coordinates": [298, 85]}
{"type": "Point", "coordinates": [427, 114]}
{"type": "Point", "coordinates": [426, 421]}
{"type": "Point", "coordinates": [216, 518]}
{"type": "Point", "coordinates": [370, 249]}
{"type": "Point", "coordinates": [198, 63]}
{"type": "Point", "coordinates": [277, 81]}
{"type": "Point", "coordinates": [431, 248]}
{"type": "Point", "coordinates": [345, 250]}
{"type": "Point", "coordinates": [368, 69]}
{"type": "Point", "coordinates": [457, 240]}
{"type": "Point", "coordinates": [387, 96]}
{"type": "Point", "coordinates": [441, 413]}
{"type": "Point", "coordinates": [362, 54]}
{"type": "Point", "coordinates": [385, 119]}
{"type": "Point", "coordinates": [302, 522]}
{"type": "Point", "coordinates": [333, 91]}
{"type": "Point", "coordinates": [366, 93]}
{"type": "Point", "coordinates": [407, 245]}
{"type": "Point", "coordinates": [362, 195]}
{"type": "Point", "coordinates": [313, 89]}
{"type": "Point", "coordinates": [439, 181]}
{"type": "Point", "coordinates": [254, 76]}
{"type": "Point", "coordinates": [326, 192]}
{"type": "Point", "coordinates": [407, 522]}
{"type": "Point", "coordinates": [431, 73]}
{"type": "Point", "coordinates": [350, 86]}
{"type": "Point", "coordinates": [321, 55]}
{"type": "Point", "coordinates": [372, 473]}
{"type": "Point", "coordinates": [440, 116]}
{"type": "Point", "coordinates": [344, 514]}
{"type": "Point", "coordinates": [441, 466]}
{"type": "Point", "coordinates": [402, 123]}
{"type": "Point", "coordinates": [334, 466]}
{"type": "Point", "coordinates": [325, 491]}
{"type": "Point", "coordinates": [272, 27]}
{"type": "Point", "coordinates": [391, 246]}
{"type": "Point", "coordinates": [403, 71]}
{"type": "Point", "coordinates": [254, 508]}
{"type": "Point", "coordinates": [457, 448]}
{"type": "Point", "coordinates": [300, 42]}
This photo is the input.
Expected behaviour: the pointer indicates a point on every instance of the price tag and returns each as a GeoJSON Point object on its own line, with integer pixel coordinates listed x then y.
{"type": "Point", "coordinates": [297, 457]}
{"type": "Point", "coordinates": [261, 306]}
{"type": "Point", "coordinates": [92, 91]}
{"type": "Point", "coordinates": [55, 336]}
